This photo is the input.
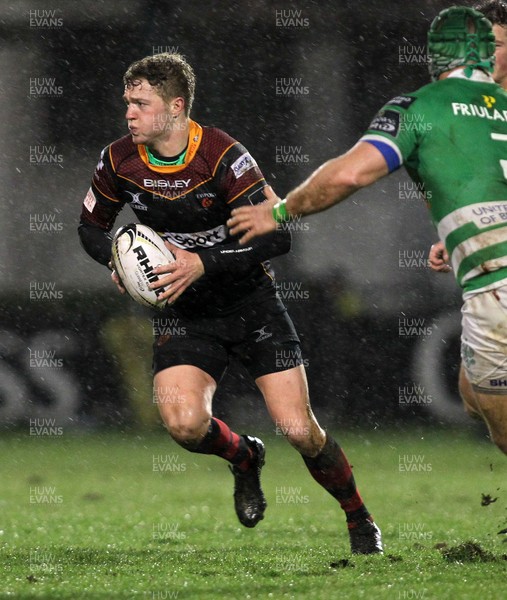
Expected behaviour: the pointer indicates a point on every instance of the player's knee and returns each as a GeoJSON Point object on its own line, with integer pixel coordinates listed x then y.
{"type": "Point", "coordinates": [188, 430]}
{"type": "Point", "coordinates": [305, 440]}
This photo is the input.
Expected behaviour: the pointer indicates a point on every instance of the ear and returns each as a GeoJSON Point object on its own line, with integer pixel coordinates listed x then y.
{"type": "Point", "coordinates": [177, 106]}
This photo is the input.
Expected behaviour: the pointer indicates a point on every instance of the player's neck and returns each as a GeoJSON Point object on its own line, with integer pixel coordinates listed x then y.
{"type": "Point", "coordinates": [175, 140]}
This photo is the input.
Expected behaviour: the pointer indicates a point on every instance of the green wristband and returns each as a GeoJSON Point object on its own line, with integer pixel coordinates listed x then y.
{"type": "Point", "coordinates": [280, 214]}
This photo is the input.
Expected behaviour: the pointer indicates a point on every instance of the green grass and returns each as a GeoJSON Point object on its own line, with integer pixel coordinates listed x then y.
{"type": "Point", "coordinates": [113, 527]}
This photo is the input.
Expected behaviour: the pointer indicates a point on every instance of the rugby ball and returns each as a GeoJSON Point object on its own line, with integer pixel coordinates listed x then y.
{"type": "Point", "coordinates": [137, 249]}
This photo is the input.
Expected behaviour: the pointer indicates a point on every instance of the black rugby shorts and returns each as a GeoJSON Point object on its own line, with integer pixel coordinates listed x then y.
{"type": "Point", "coordinates": [260, 335]}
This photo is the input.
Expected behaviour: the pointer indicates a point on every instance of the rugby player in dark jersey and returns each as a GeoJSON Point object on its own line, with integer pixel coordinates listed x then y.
{"type": "Point", "coordinates": [182, 179]}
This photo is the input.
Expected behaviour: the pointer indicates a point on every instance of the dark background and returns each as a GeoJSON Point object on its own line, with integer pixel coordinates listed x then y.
{"type": "Point", "coordinates": [344, 60]}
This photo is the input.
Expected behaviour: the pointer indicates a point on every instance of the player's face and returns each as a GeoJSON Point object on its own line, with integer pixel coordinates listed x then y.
{"type": "Point", "coordinates": [500, 72]}
{"type": "Point", "coordinates": [147, 114]}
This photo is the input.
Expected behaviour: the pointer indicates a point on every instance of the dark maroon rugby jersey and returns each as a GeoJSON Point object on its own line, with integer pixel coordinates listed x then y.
{"type": "Point", "coordinates": [188, 205]}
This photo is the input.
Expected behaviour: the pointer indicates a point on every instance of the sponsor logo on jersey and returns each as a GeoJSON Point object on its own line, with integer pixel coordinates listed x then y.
{"type": "Point", "coordinates": [207, 202]}
{"type": "Point", "coordinates": [206, 199]}
{"type": "Point", "coordinates": [241, 165]}
{"type": "Point", "coordinates": [201, 239]}
{"type": "Point", "coordinates": [403, 101]}
{"type": "Point", "coordinates": [483, 112]}
{"type": "Point", "coordinates": [90, 201]}
{"type": "Point", "coordinates": [387, 121]}
{"type": "Point", "coordinates": [489, 101]}
{"type": "Point", "coordinates": [164, 184]}
{"type": "Point", "coordinates": [135, 203]}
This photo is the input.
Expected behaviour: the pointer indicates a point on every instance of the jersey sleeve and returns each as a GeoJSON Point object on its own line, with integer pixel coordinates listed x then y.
{"type": "Point", "coordinates": [238, 174]}
{"type": "Point", "coordinates": [395, 130]}
{"type": "Point", "coordinates": [99, 210]}
{"type": "Point", "coordinates": [102, 202]}
{"type": "Point", "coordinates": [234, 257]}
{"type": "Point", "coordinates": [241, 183]}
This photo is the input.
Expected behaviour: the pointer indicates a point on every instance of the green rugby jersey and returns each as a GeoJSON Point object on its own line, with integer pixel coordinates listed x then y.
{"type": "Point", "coordinates": [451, 136]}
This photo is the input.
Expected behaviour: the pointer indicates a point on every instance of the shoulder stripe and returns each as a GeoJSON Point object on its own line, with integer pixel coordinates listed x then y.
{"type": "Point", "coordinates": [110, 152]}
{"type": "Point", "coordinates": [103, 194]}
{"type": "Point", "coordinates": [246, 189]}
{"type": "Point", "coordinates": [221, 156]}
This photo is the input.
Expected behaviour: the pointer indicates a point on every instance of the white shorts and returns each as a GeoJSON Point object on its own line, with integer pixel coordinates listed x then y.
{"type": "Point", "coordinates": [484, 340]}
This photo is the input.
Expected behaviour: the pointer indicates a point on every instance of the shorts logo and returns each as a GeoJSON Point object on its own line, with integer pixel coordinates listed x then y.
{"type": "Point", "coordinates": [263, 334]}
{"type": "Point", "coordinates": [467, 355]}
{"type": "Point", "coordinates": [387, 121]}
{"type": "Point", "coordinates": [243, 164]}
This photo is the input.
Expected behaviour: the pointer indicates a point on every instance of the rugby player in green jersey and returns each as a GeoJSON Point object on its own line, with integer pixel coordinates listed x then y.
{"type": "Point", "coordinates": [496, 12]}
{"type": "Point", "coordinates": [458, 155]}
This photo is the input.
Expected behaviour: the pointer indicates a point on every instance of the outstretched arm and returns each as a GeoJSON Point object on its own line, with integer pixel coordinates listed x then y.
{"type": "Point", "coordinates": [331, 183]}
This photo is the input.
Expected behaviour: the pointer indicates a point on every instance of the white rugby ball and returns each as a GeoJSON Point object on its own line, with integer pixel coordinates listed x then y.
{"type": "Point", "coordinates": [137, 249]}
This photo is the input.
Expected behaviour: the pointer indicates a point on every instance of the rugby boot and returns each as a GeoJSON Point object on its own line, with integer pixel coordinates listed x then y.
{"type": "Point", "coordinates": [366, 538]}
{"type": "Point", "coordinates": [249, 500]}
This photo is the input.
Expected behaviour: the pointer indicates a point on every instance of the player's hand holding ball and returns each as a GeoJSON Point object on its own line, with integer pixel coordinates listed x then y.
{"type": "Point", "coordinates": [116, 280]}
{"type": "Point", "coordinates": [186, 268]}
{"type": "Point", "coordinates": [136, 251]}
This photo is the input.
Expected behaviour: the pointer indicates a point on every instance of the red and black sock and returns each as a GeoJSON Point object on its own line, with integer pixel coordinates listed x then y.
{"type": "Point", "coordinates": [332, 470]}
{"type": "Point", "coordinates": [220, 440]}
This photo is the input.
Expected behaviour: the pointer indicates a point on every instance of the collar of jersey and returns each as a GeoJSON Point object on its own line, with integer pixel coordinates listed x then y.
{"type": "Point", "coordinates": [477, 75]}
{"type": "Point", "coordinates": [194, 141]}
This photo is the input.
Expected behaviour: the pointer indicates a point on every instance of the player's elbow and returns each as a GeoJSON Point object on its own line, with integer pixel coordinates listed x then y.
{"type": "Point", "coordinates": [350, 179]}
{"type": "Point", "coordinates": [356, 169]}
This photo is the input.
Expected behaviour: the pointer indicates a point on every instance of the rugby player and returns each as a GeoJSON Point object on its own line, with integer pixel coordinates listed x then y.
{"type": "Point", "coordinates": [496, 12]}
{"type": "Point", "coordinates": [458, 152]}
{"type": "Point", "coordinates": [182, 179]}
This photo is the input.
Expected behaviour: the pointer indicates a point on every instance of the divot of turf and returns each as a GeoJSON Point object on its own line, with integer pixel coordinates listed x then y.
{"type": "Point", "coordinates": [394, 558]}
{"type": "Point", "coordinates": [468, 552]}
{"type": "Point", "coordinates": [487, 499]}
{"type": "Point", "coordinates": [342, 564]}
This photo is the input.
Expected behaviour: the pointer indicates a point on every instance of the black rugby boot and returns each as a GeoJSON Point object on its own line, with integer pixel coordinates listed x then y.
{"type": "Point", "coordinates": [249, 500]}
{"type": "Point", "coordinates": [365, 538]}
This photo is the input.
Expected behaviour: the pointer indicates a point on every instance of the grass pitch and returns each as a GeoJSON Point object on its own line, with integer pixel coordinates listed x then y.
{"type": "Point", "coordinates": [134, 516]}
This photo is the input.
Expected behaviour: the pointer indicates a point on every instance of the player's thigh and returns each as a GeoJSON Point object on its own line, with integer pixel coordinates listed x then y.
{"type": "Point", "coordinates": [468, 395]}
{"type": "Point", "coordinates": [287, 401]}
{"type": "Point", "coordinates": [188, 360]}
{"type": "Point", "coordinates": [484, 341]}
{"type": "Point", "coordinates": [490, 407]}
{"type": "Point", "coordinates": [184, 395]}
{"type": "Point", "coordinates": [493, 409]}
